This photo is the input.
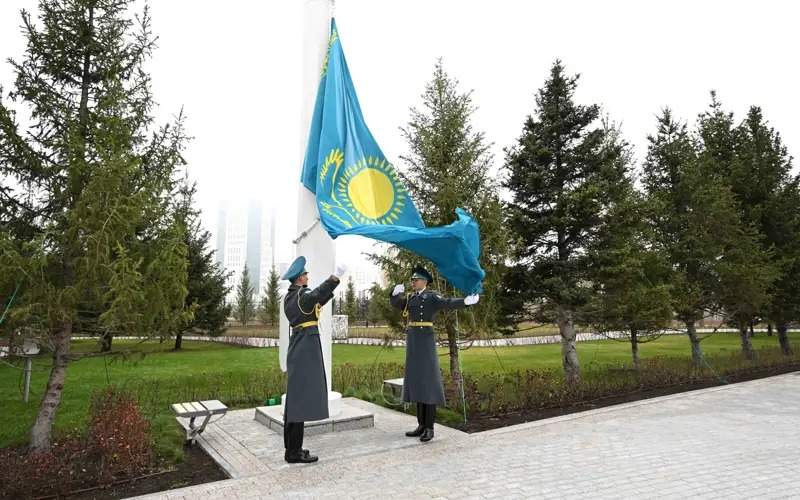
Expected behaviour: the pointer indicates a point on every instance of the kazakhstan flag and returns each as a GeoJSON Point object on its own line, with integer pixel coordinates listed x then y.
{"type": "Point", "coordinates": [359, 192]}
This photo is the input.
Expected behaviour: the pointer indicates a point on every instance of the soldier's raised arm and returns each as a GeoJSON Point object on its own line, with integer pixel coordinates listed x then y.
{"type": "Point", "coordinates": [320, 295]}
{"type": "Point", "coordinates": [396, 297]}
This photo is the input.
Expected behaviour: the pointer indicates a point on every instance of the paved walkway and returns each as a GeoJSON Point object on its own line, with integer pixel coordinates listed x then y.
{"type": "Point", "coordinates": [737, 441]}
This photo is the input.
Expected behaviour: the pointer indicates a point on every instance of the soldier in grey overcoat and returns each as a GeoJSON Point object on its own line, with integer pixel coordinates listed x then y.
{"type": "Point", "coordinates": [422, 382]}
{"type": "Point", "coordinates": [306, 387]}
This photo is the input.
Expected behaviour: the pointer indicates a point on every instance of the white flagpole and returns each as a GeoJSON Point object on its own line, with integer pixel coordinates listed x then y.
{"type": "Point", "coordinates": [312, 240]}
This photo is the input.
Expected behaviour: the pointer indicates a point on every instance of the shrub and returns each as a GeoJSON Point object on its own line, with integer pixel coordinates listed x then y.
{"type": "Point", "coordinates": [537, 389]}
{"type": "Point", "coordinates": [117, 444]}
{"type": "Point", "coordinates": [119, 435]}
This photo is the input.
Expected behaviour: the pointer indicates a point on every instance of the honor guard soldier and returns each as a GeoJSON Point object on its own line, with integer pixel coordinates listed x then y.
{"type": "Point", "coordinates": [422, 383]}
{"type": "Point", "coordinates": [307, 387]}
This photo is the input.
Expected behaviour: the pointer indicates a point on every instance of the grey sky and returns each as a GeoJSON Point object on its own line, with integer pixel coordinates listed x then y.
{"type": "Point", "coordinates": [234, 68]}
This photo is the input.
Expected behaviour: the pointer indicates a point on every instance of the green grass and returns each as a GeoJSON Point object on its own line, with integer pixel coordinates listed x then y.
{"type": "Point", "coordinates": [240, 374]}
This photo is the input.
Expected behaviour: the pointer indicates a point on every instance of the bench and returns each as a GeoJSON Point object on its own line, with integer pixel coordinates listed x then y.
{"type": "Point", "coordinates": [394, 386]}
{"type": "Point", "coordinates": [193, 410]}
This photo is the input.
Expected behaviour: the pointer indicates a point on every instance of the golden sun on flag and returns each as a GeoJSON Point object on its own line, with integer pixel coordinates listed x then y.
{"type": "Point", "coordinates": [370, 191]}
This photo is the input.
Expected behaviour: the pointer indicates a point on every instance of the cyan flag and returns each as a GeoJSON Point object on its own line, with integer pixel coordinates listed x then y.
{"type": "Point", "coordinates": [359, 192]}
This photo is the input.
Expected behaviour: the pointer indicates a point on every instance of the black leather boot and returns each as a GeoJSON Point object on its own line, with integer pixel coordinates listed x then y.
{"type": "Point", "coordinates": [416, 432]}
{"type": "Point", "coordinates": [427, 435]}
{"type": "Point", "coordinates": [300, 457]}
{"type": "Point", "coordinates": [421, 407]}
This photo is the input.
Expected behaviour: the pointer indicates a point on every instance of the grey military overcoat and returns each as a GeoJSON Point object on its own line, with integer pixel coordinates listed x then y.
{"type": "Point", "coordinates": [306, 387]}
{"type": "Point", "coordinates": [422, 382]}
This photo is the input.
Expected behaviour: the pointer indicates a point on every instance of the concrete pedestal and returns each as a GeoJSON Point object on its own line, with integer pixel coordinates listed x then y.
{"type": "Point", "coordinates": [348, 418]}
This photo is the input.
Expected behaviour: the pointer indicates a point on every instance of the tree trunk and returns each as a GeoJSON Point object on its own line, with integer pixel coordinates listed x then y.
{"type": "Point", "coordinates": [42, 429]}
{"type": "Point", "coordinates": [452, 345]}
{"type": "Point", "coordinates": [747, 345]}
{"type": "Point", "coordinates": [178, 340]}
{"type": "Point", "coordinates": [569, 355]}
{"type": "Point", "coordinates": [783, 338]}
{"type": "Point", "coordinates": [752, 329]}
{"type": "Point", "coordinates": [697, 353]}
{"type": "Point", "coordinates": [107, 339]}
{"type": "Point", "coordinates": [635, 348]}
{"type": "Point", "coordinates": [769, 329]}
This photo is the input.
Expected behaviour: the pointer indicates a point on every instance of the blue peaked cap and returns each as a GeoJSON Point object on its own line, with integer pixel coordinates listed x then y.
{"type": "Point", "coordinates": [297, 269]}
{"type": "Point", "coordinates": [421, 272]}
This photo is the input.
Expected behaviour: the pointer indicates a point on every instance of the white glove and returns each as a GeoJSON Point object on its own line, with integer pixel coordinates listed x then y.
{"type": "Point", "coordinates": [398, 289]}
{"type": "Point", "coordinates": [471, 299]}
{"type": "Point", "coordinates": [340, 270]}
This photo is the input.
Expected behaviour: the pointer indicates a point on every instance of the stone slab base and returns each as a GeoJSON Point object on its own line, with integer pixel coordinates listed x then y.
{"type": "Point", "coordinates": [349, 418]}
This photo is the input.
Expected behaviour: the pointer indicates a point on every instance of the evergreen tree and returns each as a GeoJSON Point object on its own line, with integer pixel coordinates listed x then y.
{"type": "Point", "coordinates": [671, 157]}
{"type": "Point", "coordinates": [206, 279]}
{"type": "Point", "coordinates": [244, 298]}
{"type": "Point", "coordinates": [746, 160]}
{"type": "Point", "coordinates": [447, 166]}
{"type": "Point", "coordinates": [698, 224]}
{"type": "Point", "coordinates": [271, 303]}
{"type": "Point", "coordinates": [350, 305]}
{"type": "Point", "coordinates": [363, 307]}
{"type": "Point", "coordinates": [630, 277]}
{"type": "Point", "coordinates": [562, 174]}
{"type": "Point", "coordinates": [378, 304]}
{"type": "Point", "coordinates": [92, 234]}
{"type": "Point", "coordinates": [784, 233]}
{"type": "Point", "coordinates": [760, 168]}
{"type": "Point", "coordinates": [761, 180]}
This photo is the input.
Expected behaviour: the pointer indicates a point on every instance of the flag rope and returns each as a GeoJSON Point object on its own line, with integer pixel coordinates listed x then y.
{"type": "Point", "coordinates": [10, 301]}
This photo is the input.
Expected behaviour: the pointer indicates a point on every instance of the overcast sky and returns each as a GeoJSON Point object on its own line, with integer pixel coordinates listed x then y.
{"type": "Point", "coordinates": [234, 67]}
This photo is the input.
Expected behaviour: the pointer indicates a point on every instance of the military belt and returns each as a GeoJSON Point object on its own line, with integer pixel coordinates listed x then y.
{"type": "Point", "coordinates": [420, 323]}
{"type": "Point", "coordinates": [305, 325]}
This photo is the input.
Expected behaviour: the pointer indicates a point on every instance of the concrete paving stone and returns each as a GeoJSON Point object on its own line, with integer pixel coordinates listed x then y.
{"type": "Point", "coordinates": [722, 442]}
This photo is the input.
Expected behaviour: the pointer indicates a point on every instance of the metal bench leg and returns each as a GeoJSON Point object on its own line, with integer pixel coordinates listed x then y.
{"type": "Point", "coordinates": [203, 425]}
{"type": "Point", "coordinates": [191, 434]}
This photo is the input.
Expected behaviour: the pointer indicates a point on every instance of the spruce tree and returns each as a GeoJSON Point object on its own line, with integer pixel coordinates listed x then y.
{"type": "Point", "coordinates": [87, 187]}
{"type": "Point", "coordinates": [760, 177]}
{"type": "Point", "coordinates": [206, 279]}
{"type": "Point", "coordinates": [244, 298]}
{"type": "Point", "coordinates": [744, 159]}
{"type": "Point", "coordinates": [784, 231]}
{"type": "Point", "coordinates": [381, 310]}
{"type": "Point", "coordinates": [350, 301]}
{"type": "Point", "coordinates": [447, 166]}
{"type": "Point", "coordinates": [375, 306]}
{"type": "Point", "coordinates": [562, 173]}
{"type": "Point", "coordinates": [270, 304]}
{"type": "Point", "coordinates": [671, 157]}
{"type": "Point", "coordinates": [630, 276]}
{"type": "Point", "coordinates": [698, 224]}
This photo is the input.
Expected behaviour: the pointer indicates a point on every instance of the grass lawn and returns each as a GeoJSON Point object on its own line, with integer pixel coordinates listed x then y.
{"type": "Point", "coordinates": [164, 376]}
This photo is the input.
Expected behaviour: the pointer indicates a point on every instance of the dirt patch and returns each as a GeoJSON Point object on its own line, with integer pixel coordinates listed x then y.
{"type": "Point", "coordinates": [197, 468]}
{"type": "Point", "coordinates": [483, 422]}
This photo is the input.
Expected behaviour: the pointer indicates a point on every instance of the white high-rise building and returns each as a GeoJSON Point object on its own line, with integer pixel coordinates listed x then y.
{"type": "Point", "coordinates": [246, 235]}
